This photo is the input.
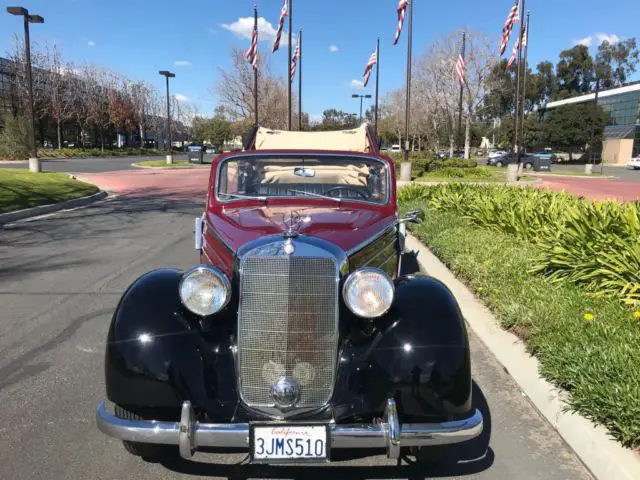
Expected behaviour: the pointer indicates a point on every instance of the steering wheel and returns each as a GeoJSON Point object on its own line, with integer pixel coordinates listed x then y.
{"type": "Point", "coordinates": [366, 196]}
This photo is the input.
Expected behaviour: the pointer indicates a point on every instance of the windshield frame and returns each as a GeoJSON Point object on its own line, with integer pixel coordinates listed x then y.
{"type": "Point", "coordinates": [302, 155]}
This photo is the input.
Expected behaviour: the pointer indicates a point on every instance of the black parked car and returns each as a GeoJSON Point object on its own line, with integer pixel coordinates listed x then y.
{"type": "Point", "coordinates": [504, 160]}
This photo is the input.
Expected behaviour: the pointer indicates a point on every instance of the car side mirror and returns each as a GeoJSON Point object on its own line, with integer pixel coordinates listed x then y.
{"type": "Point", "coordinates": [414, 216]}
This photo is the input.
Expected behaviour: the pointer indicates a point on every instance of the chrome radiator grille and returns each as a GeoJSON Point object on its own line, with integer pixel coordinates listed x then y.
{"type": "Point", "coordinates": [287, 326]}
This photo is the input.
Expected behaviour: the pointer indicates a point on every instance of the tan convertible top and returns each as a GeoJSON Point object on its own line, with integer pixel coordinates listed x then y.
{"type": "Point", "coordinates": [355, 140]}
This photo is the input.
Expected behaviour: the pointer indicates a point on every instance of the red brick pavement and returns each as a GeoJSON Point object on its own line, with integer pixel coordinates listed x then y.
{"type": "Point", "coordinates": [187, 184]}
{"type": "Point", "coordinates": [191, 184]}
{"type": "Point", "coordinates": [594, 188]}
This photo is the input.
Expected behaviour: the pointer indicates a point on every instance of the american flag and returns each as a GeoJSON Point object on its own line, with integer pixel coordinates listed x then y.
{"type": "Point", "coordinates": [294, 60]}
{"type": "Point", "coordinates": [283, 13]}
{"type": "Point", "coordinates": [402, 9]}
{"type": "Point", "coordinates": [521, 41]}
{"type": "Point", "coordinates": [460, 66]}
{"type": "Point", "coordinates": [252, 53]}
{"type": "Point", "coordinates": [373, 59]}
{"type": "Point", "coordinates": [512, 18]}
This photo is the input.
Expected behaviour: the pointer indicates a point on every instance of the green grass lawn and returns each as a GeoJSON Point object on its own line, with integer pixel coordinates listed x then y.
{"type": "Point", "coordinates": [22, 189]}
{"type": "Point", "coordinates": [163, 164]}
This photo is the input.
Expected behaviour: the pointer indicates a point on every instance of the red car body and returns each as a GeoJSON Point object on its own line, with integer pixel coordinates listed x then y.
{"type": "Point", "coordinates": [227, 226]}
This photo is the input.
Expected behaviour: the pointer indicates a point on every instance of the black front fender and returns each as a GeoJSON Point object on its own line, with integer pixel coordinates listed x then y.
{"type": "Point", "coordinates": [419, 354]}
{"type": "Point", "coordinates": [157, 355]}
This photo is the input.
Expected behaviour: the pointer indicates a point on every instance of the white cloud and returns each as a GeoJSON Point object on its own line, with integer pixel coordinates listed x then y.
{"type": "Point", "coordinates": [182, 63]}
{"type": "Point", "coordinates": [181, 98]}
{"type": "Point", "coordinates": [91, 43]}
{"type": "Point", "coordinates": [333, 48]}
{"type": "Point", "coordinates": [611, 38]}
{"type": "Point", "coordinates": [357, 84]}
{"type": "Point", "coordinates": [243, 27]}
{"type": "Point", "coordinates": [586, 41]}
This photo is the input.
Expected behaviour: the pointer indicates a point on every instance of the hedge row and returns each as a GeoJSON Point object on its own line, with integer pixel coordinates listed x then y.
{"type": "Point", "coordinates": [96, 152]}
{"type": "Point", "coordinates": [595, 244]}
{"type": "Point", "coordinates": [586, 345]}
{"type": "Point", "coordinates": [422, 163]}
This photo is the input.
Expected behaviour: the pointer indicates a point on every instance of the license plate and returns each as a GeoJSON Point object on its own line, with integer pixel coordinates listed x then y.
{"type": "Point", "coordinates": [283, 443]}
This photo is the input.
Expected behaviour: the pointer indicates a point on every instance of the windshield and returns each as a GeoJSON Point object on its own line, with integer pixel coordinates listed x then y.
{"type": "Point", "coordinates": [338, 177]}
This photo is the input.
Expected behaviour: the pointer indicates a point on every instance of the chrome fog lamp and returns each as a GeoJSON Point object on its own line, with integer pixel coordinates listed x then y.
{"type": "Point", "coordinates": [368, 292]}
{"type": "Point", "coordinates": [204, 290]}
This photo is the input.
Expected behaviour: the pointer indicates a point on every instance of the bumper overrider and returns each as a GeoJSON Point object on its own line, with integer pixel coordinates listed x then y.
{"type": "Point", "coordinates": [189, 435]}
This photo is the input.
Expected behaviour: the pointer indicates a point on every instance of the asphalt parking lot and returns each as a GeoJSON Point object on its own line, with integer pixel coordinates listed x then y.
{"type": "Point", "coordinates": [63, 275]}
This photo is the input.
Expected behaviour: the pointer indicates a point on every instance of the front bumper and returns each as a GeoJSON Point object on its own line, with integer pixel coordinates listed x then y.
{"type": "Point", "coordinates": [189, 434]}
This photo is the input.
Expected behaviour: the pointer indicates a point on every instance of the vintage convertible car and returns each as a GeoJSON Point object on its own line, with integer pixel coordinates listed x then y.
{"type": "Point", "coordinates": [295, 334]}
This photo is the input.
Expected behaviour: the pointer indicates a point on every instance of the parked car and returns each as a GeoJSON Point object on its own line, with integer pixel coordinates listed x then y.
{"type": "Point", "coordinates": [395, 148]}
{"type": "Point", "coordinates": [296, 333]}
{"type": "Point", "coordinates": [507, 158]}
{"type": "Point", "coordinates": [547, 156]}
{"type": "Point", "coordinates": [496, 154]}
{"type": "Point", "coordinates": [634, 163]}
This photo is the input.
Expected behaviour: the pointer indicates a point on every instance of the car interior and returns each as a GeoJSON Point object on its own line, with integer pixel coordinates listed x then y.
{"type": "Point", "coordinates": [285, 177]}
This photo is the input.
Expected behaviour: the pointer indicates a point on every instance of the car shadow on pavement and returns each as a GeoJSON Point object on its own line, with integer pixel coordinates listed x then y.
{"type": "Point", "coordinates": [467, 458]}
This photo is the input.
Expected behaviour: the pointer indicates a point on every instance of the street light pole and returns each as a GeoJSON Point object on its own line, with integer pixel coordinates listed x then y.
{"type": "Point", "coordinates": [361, 97]}
{"type": "Point", "coordinates": [34, 162]}
{"type": "Point", "coordinates": [168, 75]}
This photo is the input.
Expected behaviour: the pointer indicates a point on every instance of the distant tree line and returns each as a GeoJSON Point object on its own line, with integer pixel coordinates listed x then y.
{"type": "Point", "coordinates": [87, 105]}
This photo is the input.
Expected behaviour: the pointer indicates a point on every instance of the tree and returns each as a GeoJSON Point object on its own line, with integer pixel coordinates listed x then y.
{"type": "Point", "coordinates": [571, 126]}
{"type": "Point", "coordinates": [616, 62]}
{"type": "Point", "coordinates": [58, 89]}
{"type": "Point", "coordinates": [574, 72]}
{"type": "Point", "coordinates": [236, 87]}
{"type": "Point", "coordinates": [14, 142]}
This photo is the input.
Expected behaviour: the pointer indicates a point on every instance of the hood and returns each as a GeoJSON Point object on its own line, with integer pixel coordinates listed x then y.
{"type": "Point", "coordinates": [346, 227]}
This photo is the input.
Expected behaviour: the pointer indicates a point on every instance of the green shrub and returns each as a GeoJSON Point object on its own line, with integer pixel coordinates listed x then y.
{"type": "Point", "coordinates": [588, 346]}
{"type": "Point", "coordinates": [96, 152]}
{"type": "Point", "coordinates": [595, 244]}
{"type": "Point", "coordinates": [14, 142]}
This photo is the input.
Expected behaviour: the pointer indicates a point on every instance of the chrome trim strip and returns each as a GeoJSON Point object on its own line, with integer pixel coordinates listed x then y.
{"type": "Point", "coordinates": [309, 155]}
{"type": "Point", "coordinates": [236, 435]}
{"type": "Point", "coordinates": [215, 234]}
{"type": "Point", "coordinates": [371, 239]}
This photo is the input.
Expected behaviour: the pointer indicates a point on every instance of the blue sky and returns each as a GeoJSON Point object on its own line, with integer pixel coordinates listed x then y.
{"type": "Point", "coordinates": [138, 37]}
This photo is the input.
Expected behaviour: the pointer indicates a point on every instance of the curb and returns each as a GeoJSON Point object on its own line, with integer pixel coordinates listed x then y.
{"type": "Point", "coordinates": [168, 168]}
{"type": "Point", "coordinates": [604, 457]}
{"type": "Point", "coordinates": [556, 175]}
{"type": "Point", "coordinates": [45, 209]}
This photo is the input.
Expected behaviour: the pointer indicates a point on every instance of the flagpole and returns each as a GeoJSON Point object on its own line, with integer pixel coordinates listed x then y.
{"type": "Point", "coordinates": [255, 69]}
{"type": "Point", "coordinates": [524, 81]}
{"type": "Point", "coordinates": [290, 11]}
{"type": "Point", "coordinates": [375, 118]}
{"type": "Point", "coordinates": [462, 52]}
{"type": "Point", "coordinates": [518, 76]}
{"type": "Point", "coordinates": [405, 173]}
{"type": "Point", "coordinates": [300, 83]}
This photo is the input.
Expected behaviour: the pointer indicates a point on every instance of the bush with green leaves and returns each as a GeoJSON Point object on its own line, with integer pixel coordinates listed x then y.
{"type": "Point", "coordinates": [595, 244]}
{"type": "Point", "coordinates": [587, 345]}
{"type": "Point", "coordinates": [96, 152]}
{"type": "Point", "coordinates": [14, 142]}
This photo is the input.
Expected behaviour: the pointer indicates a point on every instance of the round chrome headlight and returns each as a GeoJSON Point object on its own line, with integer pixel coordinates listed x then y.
{"type": "Point", "coordinates": [205, 290]}
{"type": "Point", "coordinates": [368, 292]}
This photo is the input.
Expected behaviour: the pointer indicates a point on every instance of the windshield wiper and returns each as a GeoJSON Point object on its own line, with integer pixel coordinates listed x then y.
{"type": "Point", "coordinates": [310, 194]}
{"type": "Point", "coordinates": [248, 197]}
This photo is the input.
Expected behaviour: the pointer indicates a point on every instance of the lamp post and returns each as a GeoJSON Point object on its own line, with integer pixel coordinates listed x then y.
{"type": "Point", "coordinates": [34, 162]}
{"type": "Point", "coordinates": [168, 75]}
{"type": "Point", "coordinates": [361, 97]}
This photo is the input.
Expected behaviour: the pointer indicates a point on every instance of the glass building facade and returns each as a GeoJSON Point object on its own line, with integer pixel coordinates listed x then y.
{"type": "Point", "coordinates": [622, 109]}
